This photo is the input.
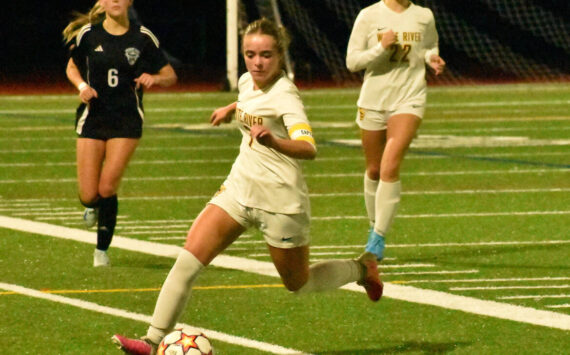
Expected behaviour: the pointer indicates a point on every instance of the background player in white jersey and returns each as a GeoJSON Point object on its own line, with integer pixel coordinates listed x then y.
{"type": "Point", "coordinates": [265, 189]}
{"type": "Point", "coordinates": [112, 59]}
{"type": "Point", "coordinates": [392, 40]}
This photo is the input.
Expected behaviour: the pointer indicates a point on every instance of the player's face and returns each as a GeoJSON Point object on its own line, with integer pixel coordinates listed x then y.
{"type": "Point", "coordinates": [116, 8]}
{"type": "Point", "coordinates": [262, 59]}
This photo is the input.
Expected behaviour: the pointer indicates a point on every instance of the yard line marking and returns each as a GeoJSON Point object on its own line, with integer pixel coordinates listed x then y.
{"type": "Point", "coordinates": [514, 279]}
{"type": "Point", "coordinates": [155, 109]}
{"type": "Point", "coordinates": [538, 297]}
{"type": "Point", "coordinates": [442, 272]}
{"type": "Point", "coordinates": [308, 176]}
{"type": "Point", "coordinates": [405, 293]}
{"type": "Point", "coordinates": [450, 215]}
{"type": "Point", "coordinates": [401, 266]}
{"type": "Point", "coordinates": [177, 232]}
{"type": "Point", "coordinates": [142, 148]}
{"type": "Point", "coordinates": [143, 227]}
{"type": "Point", "coordinates": [151, 289]}
{"type": "Point", "coordinates": [117, 312]}
{"type": "Point", "coordinates": [566, 305]}
{"type": "Point", "coordinates": [451, 141]}
{"type": "Point", "coordinates": [492, 288]}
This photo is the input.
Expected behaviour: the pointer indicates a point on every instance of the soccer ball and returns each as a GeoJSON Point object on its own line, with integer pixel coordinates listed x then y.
{"type": "Point", "coordinates": [185, 341]}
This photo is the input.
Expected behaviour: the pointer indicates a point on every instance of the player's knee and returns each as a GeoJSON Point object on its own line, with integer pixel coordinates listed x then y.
{"type": "Point", "coordinates": [390, 173]}
{"type": "Point", "coordinates": [107, 189]}
{"type": "Point", "coordinates": [88, 199]}
{"type": "Point", "coordinates": [373, 173]}
{"type": "Point", "coordinates": [295, 285]}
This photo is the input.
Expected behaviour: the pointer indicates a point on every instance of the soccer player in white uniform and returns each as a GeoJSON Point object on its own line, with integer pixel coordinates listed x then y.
{"type": "Point", "coordinates": [111, 60]}
{"type": "Point", "coordinates": [265, 189]}
{"type": "Point", "coordinates": [392, 40]}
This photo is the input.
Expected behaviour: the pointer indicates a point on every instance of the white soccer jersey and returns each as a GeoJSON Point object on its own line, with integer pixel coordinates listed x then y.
{"type": "Point", "coordinates": [262, 177]}
{"type": "Point", "coordinates": [394, 75]}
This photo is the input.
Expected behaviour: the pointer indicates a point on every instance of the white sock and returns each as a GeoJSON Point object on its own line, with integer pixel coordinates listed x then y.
{"type": "Point", "coordinates": [370, 188]}
{"type": "Point", "coordinates": [387, 201]}
{"type": "Point", "coordinates": [174, 295]}
{"type": "Point", "coordinates": [330, 275]}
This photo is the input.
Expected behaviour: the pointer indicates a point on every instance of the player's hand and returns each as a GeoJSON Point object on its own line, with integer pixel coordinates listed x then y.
{"type": "Point", "coordinates": [221, 115]}
{"type": "Point", "coordinates": [146, 80]}
{"type": "Point", "coordinates": [437, 64]}
{"type": "Point", "coordinates": [388, 39]}
{"type": "Point", "coordinates": [263, 136]}
{"type": "Point", "coordinates": [87, 94]}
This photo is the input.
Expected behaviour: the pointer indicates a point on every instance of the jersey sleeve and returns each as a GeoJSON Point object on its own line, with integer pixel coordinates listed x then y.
{"type": "Point", "coordinates": [358, 55]}
{"type": "Point", "coordinates": [431, 38]}
{"type": "Point", "coordinates": [296, 121]}
{"type": "Point", "coordinates": [154, 57]}
{"type": "Point", "coordinates": [78, 48]}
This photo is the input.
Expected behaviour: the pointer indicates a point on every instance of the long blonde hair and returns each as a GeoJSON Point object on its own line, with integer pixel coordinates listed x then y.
{"type": "Point", "coordinates": [94, 16]}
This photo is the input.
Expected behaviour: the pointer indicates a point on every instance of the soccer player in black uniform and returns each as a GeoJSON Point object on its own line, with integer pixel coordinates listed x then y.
{"type": "Point", "coordinates": [112, 60]}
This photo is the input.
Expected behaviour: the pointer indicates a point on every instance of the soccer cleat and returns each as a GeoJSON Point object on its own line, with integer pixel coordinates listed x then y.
{"type": "Point", "coordinates": [141, 346]}
{"type": "Point", "coordinates": [90, 217]}
{"type": "Point", "coordinates": [375, 244]}
{"type": "Point", "coordinates": [100, 258]}
{"type": "Point", "coordinates": [370, 278]}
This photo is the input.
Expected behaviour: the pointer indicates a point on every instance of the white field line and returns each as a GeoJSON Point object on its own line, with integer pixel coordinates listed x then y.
{"type": "Point", "coordinates": [445, 245]}
{"type": "Point", "coordinates": [116, 312]}
{"type": "Point", "coordinates": [514, 279]}
{"type": "Point", "coordinates": [176, 232]}
{"type": "Point", "coordinates": [537, 297]}
{"type": "Point", "coordinates": [69, 217]}
{"type": "Point", "coordinates": [309, 176]}
{"type": "Point", "coordinates": [34, 201]}
{"type": "Point", "coordinates": [158, 227]}
{"type": "Point", "coordinates": [405, 293]}
{"type": "Point", "coordinates": [566, 305]}
{"type": "Point", "coordinates": [441, 272]}
{"type": "Point", "coordinates": [449, 215]}
{"type": "Point", "coordinates": [229, 161]}
{"type": "Point", "coordinates": [469, 104]}
{"type": "Point", "coordinates": [493, 288]}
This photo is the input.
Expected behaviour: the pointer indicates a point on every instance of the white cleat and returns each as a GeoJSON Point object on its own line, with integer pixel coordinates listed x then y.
{"type": "Point", "coordinates": [90, 217]}
{"type": "Point", "coordinates": [100, 258]}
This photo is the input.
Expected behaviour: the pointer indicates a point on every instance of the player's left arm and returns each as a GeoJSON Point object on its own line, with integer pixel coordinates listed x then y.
{"type": "Point", "coordinates": [165, 77]}
{"type": "Point", "coordinates": [431, 39]}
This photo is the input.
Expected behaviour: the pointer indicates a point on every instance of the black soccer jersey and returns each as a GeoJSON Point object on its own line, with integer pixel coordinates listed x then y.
{"type": "Point", "coordinates": [110, 64]}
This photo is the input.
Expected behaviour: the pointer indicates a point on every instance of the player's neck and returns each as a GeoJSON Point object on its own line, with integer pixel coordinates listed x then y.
{"type": "Point", "coordinates": [116, 25]}
{"type": "Point", "coordinates": [397, 5]}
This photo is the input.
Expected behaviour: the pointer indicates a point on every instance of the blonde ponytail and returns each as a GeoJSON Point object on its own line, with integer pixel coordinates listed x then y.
{"type": "Point", "coordinates": [94, 16]}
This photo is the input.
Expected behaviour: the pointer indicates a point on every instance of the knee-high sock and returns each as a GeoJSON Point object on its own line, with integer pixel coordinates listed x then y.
{"type": "Point", "coordinates": [387, 201]}
{"type": "Point", "coordinates": [174, 295]}
{"type": "Point", "coordinates": [370, 188]}
{"type": "Point", "coordinates": [108, 209]}
{"type": "Point", "coordinates": [330, 275]}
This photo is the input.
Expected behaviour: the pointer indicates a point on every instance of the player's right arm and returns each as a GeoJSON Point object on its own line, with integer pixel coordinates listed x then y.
{"type": "Point", "coordinates": [86, 92]}
{"type": "Point", "coordinates": [223, 114]}
{"type": "Point", "coordinates": [358, 55]}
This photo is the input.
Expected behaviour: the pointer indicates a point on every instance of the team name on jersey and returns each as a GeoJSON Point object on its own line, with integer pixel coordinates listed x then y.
{"type": "Point", "coordinates": [406, 36]}
{"type": "Point", "coordinates": [248, 119]}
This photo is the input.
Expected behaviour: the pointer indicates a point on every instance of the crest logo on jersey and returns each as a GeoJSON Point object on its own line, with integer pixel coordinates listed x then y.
{"type": "Point", "coordinates": [99, 48]}
{"type": "Point", "coordinates": [132, 55]}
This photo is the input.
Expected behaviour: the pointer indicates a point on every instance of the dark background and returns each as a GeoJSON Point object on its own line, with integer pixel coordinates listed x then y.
{"type": "Point", "coordinates": [193, 34]}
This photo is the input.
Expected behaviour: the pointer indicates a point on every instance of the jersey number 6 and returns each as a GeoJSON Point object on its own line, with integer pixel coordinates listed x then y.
{"type": "Point", "coordinates": [113, 78]}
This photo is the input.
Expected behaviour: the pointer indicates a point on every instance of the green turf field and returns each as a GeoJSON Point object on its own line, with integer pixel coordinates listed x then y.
{"type": "Point", "coordinates": [478, 260]}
